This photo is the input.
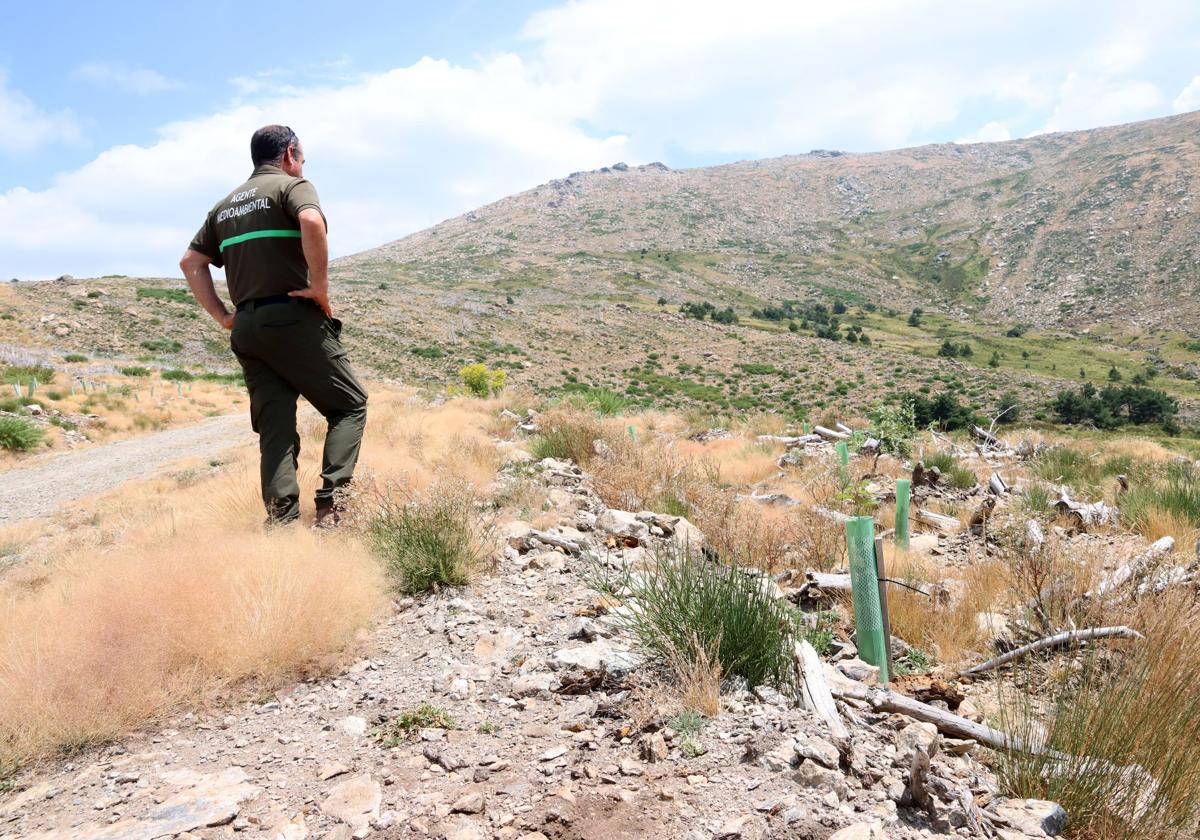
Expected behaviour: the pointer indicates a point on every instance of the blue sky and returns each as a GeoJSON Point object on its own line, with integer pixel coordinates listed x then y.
{"type": "Point", "coordinates": [120, 124]}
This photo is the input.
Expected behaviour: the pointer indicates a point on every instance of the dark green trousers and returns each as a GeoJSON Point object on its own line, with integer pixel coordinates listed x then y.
{"type": "Point", "coordinates": [290, 349]}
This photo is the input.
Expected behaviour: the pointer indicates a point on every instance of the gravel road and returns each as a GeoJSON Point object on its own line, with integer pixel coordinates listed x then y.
{"type": "Point", "coordinates": [45, 485]}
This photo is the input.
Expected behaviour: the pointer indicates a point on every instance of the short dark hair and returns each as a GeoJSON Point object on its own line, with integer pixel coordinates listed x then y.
{"type": "Point", "coordinates": [270, 142]}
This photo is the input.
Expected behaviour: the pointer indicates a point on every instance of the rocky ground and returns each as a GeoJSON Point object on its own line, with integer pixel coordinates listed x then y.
{"type": "Point", "coordinates": [553, 727]}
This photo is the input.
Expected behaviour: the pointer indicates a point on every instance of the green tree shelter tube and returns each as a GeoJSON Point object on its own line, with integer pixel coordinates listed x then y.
{"type": "Point", "coordinates": [843, 453]}
{"type": "Point", "coordinates": [864, 585]}
{"type": "Point", "coordinates": [903, 494]}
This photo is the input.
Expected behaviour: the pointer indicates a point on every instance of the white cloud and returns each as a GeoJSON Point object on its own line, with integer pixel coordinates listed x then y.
{"type": "Point", "coordinates": [110, 74]}
{"type": "Point", "coordinates": [1189, 97]}
{"type": "Point", "coordinates": [25, 127]}
{"type": "Point", "coordinates": [384, 153]}
{"type": "Point", "coordinates": [992, 132]}
{"type": "Point", "coordinates": [395, 151]}
{"type": "Point", "coordinates": [1087, 101]}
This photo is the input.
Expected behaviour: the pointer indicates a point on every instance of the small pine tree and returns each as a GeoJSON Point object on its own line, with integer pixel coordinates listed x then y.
{"type": "Point", "coordinates": [1114, 375]}
{"type": "Point", "coordinates": [995, 360]}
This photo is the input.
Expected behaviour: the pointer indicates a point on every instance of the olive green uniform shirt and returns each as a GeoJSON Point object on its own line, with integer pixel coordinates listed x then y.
{"type": "Point", "coordinates": [254, 233]}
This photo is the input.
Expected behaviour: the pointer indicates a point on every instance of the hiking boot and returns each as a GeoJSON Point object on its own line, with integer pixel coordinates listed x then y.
{"type": "Point", "coordinates": [280, 513]}
{"type": "Point", "coordinates": [328, 518]}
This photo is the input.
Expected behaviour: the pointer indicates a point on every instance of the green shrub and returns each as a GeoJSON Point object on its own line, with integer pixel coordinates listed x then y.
{"type": "Point", "coordinates": [954, 473]}
{"type": "Point", "coordinates": [23, 374]}
{"type": "Point", "coordinates": [162, 345]}
{"type": "Point", "coordinates": [481, 381]}
{"type": "Point", "coordinates": [687, 603]}
{"type": "Point", "coordinates": [406, 724]}
{"type": "Point", "coordinates": [429, 540]}
{"type": "Point", "coordinates": [1115, 406]}
{"type": "Point", "coordinates": [1034, 500]}
{"type": "Point", "coordinates": [135, 371]}
{"type": "Point", "coordinates": [173, 295]}
{"type": "Point", "coordinates": [19, 435]}
{"type": "Point", "coordinates": [894, 426]}
{"type": "Point", "coordinates": [943, 411]}
{"type": "Point", "coordinates": [604, 400]}
{"type": "Point", "coordinates": [178, 375]}
{"type": "Point", "coordinates": [427, 352]}
{"type": "Point", "coordinates": [236, 378]}
{"type": "Point", "coordinates": [74, 358]}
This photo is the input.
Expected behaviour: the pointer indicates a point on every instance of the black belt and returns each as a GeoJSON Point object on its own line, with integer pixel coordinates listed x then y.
{"type": "Point", "coordinates": [254, 303]}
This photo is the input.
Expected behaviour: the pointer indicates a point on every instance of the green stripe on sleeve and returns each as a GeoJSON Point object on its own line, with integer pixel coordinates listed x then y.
{"type": "Point", "coordinates": [259, 234]}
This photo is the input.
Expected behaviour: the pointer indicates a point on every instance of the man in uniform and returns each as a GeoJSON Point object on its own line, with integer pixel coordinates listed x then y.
{"type": "Point", "coordinates": [269, 234]}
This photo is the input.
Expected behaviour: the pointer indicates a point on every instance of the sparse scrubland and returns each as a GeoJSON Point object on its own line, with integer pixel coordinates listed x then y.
{"type": "Point", "coordinates": [167, 594]}
{"type": "Point", "coordinates": [668, 346]}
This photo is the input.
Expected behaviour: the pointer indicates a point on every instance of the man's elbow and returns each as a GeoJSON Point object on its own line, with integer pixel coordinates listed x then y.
{"type": "Point", "coordinates": [191, 261]}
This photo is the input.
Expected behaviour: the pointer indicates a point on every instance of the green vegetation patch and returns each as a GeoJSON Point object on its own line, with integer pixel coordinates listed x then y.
{"type": "Point", "coordinates": [19, 435]}
{"type": "Point", "coordinates": [23, 374]}
{"type": "Point", "coordinates": [172, 295]}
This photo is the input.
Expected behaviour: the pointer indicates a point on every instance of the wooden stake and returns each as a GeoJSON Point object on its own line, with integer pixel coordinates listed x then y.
{"type": "Point", "coordinates": [881, 573]}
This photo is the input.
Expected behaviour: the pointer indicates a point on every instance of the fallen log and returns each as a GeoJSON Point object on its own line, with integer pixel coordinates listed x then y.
{"type": "Point", "coordinates": [998, 485]}
{"type": "Point", "coordinates": [1057, 640]}
{"type": "Point", "coordinates": [987, 437]}
{"type": "Point", "coordinates": [940, 521]}
{"type": "Point", "coordinates": [1086, 515]}
{"type": "Point", "coordinates": [788, 440]}
{"type": "Point", "coordinates": [767, 499]}
{"type": "Point", "coordinates": [568, 546]}
{"type": "Point", "coordinates": [816, 693]}
{"type": "Point", "coordinates": [830, 434]}
{"type": "Point", "coordinates": [1134, 568]}
{"type": "Point", "coordinates": [948, 723]}
{"type": "Point", "coordinates": [842, 427]}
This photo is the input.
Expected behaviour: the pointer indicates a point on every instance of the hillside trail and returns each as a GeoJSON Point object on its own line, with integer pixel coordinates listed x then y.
{"type": "Point", "coordinates": [47, 484]}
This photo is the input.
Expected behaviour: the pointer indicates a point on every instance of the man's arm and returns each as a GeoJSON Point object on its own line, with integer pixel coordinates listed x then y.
{"type": "Point", "coordinates": [316, 254]}
{"type": "Point", "coordinates": [199, 277]}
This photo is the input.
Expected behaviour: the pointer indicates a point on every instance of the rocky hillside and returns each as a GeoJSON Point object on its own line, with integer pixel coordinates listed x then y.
{"type": "Point", "coordinates": [1062, 229]}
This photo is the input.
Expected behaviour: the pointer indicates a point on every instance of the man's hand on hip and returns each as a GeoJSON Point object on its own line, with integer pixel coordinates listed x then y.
{"type": "Point", "coordinates": [226, 320]}
{"type": "Point", "coordinates": [320, 298]}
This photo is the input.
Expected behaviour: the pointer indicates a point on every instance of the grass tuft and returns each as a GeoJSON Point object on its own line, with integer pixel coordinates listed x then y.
{"type": "Point", "coordinates": [686, 605]}
{"type": "Point", "coordinates": [567, 434]}
{"type": "Point", "coordinates": [431, 539]}
{"type": "Point", "coordinates": [1128, 721]}
{"type": "Point", "coordinates": [19, 435]}
{"type": "Point", "coordinates": [406, 724]}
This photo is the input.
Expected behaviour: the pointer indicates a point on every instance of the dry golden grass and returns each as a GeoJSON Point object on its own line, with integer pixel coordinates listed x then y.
{"type": "Point", "coordinates": [107, 643]}
{"type": "Point", "coordinates": [166, 591]}
{"type": "Point", "coordinates": [1127, 715]}
{"type": "Point", "coordinates": [1158, 523]}
{"type": "Point", "coordinates": [698, 679]}
{"type": "Point", "coordinates": [950, 631]}
{"type": "Point", "coordinates": [650, 474]}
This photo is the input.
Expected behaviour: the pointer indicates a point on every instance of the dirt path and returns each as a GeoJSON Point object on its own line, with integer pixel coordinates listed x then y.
{"type": "Point", "coordinates": [41, 488]}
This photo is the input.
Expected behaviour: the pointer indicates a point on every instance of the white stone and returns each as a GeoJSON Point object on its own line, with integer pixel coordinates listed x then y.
{"type": "Point", "coordinates": [355, 802]}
